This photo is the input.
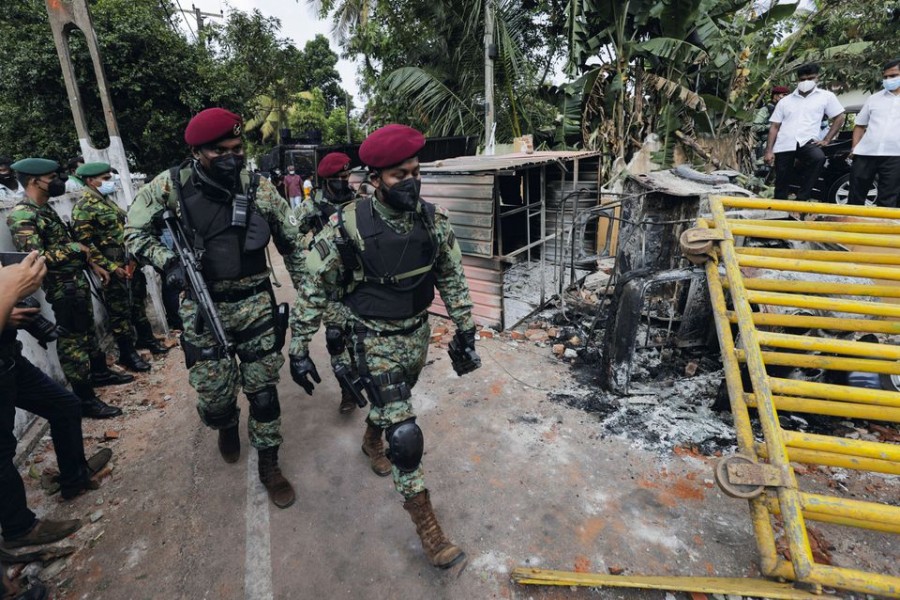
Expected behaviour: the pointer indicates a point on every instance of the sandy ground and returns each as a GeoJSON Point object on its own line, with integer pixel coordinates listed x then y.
{"type": "Point", "coordinates": [516, 479]}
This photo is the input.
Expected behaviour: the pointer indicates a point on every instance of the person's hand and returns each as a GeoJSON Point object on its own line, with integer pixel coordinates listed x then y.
{"type": "Point", "coordinates": [20, 317]}
{"type": "Point", "coordinates": [175, 276]}
{"type": "Point", "coordinates": [821, 143]}
{"type": "Point", "coordinates": [121, 273]}
{"type": "Point", "coordinates": [101, 273]}
{"type": "Point", "coordinates": [769, 157]}
{"type": "Point", "coordinates": [302, 367]}
{"type": "Point", "coordinates": [25, 277]}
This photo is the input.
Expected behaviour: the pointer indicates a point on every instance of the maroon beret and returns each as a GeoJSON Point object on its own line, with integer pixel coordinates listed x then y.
{"type": "Point", "coordinates": [333, 164]}
{"type": "Point", "coordinates": [390, 145]}
{"type": "Point", "coordinates": [780, 89]}
{"type": "Point", "coordinates": [212, 125]}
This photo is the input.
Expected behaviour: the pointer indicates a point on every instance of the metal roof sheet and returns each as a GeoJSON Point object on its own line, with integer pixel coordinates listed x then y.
{"type": "Point", "coordinates": [502, 162]}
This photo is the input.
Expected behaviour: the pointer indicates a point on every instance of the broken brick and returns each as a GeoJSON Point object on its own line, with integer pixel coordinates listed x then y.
{"type": "Point", "coordinates": [439, 330]}
{"type": "Point", "coordinates": [486, 334]}
{"type": "Point", "coordinates": [517, 335]}
{"type": "Point", "coordinates": [559, 349]}
{"type": "Point", "coordinates": [553, 332]}
{"type": "Point", "coordinates": [616, 570]}
{"type": "Point", "coordinates": [536, 335]}
{"type": "Point", "coordinates": [111, 435]}
{"type": "Point", "coordinates": [690, 369]}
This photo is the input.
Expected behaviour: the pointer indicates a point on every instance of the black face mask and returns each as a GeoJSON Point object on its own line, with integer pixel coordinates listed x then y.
{"type": "Point", "coordinates": [226, 170]}
{"type": "Point", "coordinates": [56, 187]}
{"type": "Point", "coordinates": [340, 190]}
{"type": "Point", "coordinates": [9, 180]}
{"type": "Point", "coordinates": [402, 196]}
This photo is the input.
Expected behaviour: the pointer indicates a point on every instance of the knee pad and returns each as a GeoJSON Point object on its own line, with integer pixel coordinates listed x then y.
{"type": "Point", "coordinates": [407, 445]}
{"type": "Point", "coordinates": [216, 420]}
{"type": "Point", "coordinates": [264, 406]}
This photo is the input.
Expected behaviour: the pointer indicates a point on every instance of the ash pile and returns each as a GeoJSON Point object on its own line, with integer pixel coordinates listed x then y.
{"type": "Point", "coordinates": [640, 336]}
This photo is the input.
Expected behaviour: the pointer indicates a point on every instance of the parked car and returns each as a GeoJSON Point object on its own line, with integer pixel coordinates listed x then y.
{"type": "Point", "coordinates": [833, 184]}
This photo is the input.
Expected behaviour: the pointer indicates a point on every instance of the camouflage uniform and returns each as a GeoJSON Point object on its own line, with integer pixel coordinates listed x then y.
{"type": "Point", "coordinates": [40, 228]}
{"type": "Point", "coordinates": [216, 380]}
{"type": "Point", "coordinates": [310, 219]}
{"type": "Point", "coordinates": [99, 224]}
{"type": "Point", "coordinates": [406, 353]}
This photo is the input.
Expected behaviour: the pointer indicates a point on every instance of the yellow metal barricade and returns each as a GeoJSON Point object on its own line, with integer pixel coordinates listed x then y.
{"type": "Point", "coordinates": [762, 472]}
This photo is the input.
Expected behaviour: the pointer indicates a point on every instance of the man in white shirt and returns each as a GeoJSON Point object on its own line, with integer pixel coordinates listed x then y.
{"type": "Point", "coordinates": [74, 183]}
{"type": "Point", "coordinates": [876, 143]}
{"type": "Point", "coordinates": [794, 145]}
{"type": "Point", "coordinates": [11, 190]}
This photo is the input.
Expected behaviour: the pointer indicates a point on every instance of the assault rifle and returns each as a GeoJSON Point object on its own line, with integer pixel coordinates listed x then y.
{"type": "Point", "coordinates": [190, 262]}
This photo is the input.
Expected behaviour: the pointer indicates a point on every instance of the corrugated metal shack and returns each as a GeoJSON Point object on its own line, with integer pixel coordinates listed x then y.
{"type": "Point", "coordinates": [507, 213]}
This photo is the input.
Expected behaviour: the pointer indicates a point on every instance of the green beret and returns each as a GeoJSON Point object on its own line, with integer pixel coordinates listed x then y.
{"type": "Point", "coordinates": [93, 169]}
{"type": "Point", "coordinates": [35, 166]}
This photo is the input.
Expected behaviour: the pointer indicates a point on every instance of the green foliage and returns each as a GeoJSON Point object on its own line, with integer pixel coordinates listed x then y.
{"type": "Point", "coordinates": [158, 79]}
{"type": "Point", "coordinates": [423, 62]}
{"type": "Point", "coordinates": [850, 39]}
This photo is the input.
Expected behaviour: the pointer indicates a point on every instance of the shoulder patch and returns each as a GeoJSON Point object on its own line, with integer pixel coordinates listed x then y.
{"type": "Point", "coordinates": [333, 219]}
{"type": "Point", "coordinates": [322, 248]}
{"type": "Point", "coordinates": [440, 210]}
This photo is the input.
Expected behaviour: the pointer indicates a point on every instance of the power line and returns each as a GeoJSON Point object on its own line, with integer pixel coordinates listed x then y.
{"type": "Point", "coordinates": [187, 21]}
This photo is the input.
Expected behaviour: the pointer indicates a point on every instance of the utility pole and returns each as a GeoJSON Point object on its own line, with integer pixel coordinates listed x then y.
{"type": "Point", "coordinates": [490, 54]}
{"type": "Point", "coordinates": [64, 18]}
{"type": "Point", "coordinates": [347, 110]}
{"type": "Point", "coordinates": [198, 15]}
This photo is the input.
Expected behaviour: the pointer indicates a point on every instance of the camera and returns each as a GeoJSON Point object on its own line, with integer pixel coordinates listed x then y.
{"type": "Point", "coordinates": [41, 328]}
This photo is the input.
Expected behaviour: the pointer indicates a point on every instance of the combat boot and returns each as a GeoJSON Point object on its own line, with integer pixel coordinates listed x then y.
{"type": "Point", "coordinates": [281, 493]}
{"type": "Point", "coordinates": [43, 532]}
{"type": "Point", "coordinates": [147, 341]}
{"type": "Point", "coordinates": [129, 358]}
{"type": "Point", "coordinates": [102, 375]}
{"type": "Point", "coordinates": [373, 447]}
{"type": "Point", "coordinates": [348, 403]}
{"type": "Point", "coordinates": [93, 407]}
{"type": "Point", "coordinates": [230, 444]}
{"type": "Point", "coordinates": [438, 548]}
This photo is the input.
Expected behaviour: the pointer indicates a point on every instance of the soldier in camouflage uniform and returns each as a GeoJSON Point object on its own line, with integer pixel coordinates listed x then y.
{"type": "Point", "coordinates": [311, 216]}
{"type": "Point", "coordinates": [99, 224]}
{"type": "Point", "coordinates": [34, 225]}
{"type": "Point", "coordinates": [207, 195]}
{"type": "Point", "coordinates": [382, 256]}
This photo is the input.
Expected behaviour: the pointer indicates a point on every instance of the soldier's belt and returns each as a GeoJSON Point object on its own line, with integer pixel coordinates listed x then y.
{"type": "Point", "coordinates": [238, 295]}
{"type": "Point", "coordinates": [360, 328]}
{"type": "Point", "coordinates": [389, 378]}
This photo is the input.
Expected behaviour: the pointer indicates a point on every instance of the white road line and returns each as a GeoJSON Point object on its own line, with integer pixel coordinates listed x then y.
{"type": "Point", "coordinates": [258, 563]}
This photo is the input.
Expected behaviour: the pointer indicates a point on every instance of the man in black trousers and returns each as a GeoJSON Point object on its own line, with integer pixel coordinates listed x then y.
{"type": "Point", "coordinates": [22, 385]}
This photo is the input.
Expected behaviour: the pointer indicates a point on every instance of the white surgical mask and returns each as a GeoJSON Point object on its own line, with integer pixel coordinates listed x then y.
{"type": "Point", "coordinates": [806, 86]}
{"type": "Point", "coordinates": [107, 187]}
{"type": "Point", "coordinates": [891, 84]}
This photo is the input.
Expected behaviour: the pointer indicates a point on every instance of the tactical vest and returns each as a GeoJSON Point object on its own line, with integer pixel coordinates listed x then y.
{"type": "Point", "coordinates": [397, 276]}
{"type": "Point", "coordinates": [326, 209]}
{"type": "Point", "coordinates": [221, 246]}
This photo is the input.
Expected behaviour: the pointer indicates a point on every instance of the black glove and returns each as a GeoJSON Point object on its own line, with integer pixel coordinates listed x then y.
{"type": "Point", "coordinates": [174, 274]}
{"type": "Point", "coordinates": [462, 352]}
{"type": "Point", "coordinates": [301, 367]}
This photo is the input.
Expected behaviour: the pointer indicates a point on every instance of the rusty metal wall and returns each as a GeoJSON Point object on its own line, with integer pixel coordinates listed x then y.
{"type": "Point", "coordinates": [485, 277]}
{"type": "Point", "coordinates": [470, 200]}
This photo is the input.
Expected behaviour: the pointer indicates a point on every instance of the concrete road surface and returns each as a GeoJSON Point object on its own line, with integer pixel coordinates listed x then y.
{"type": "Point", "coordinates": [515, 478]}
